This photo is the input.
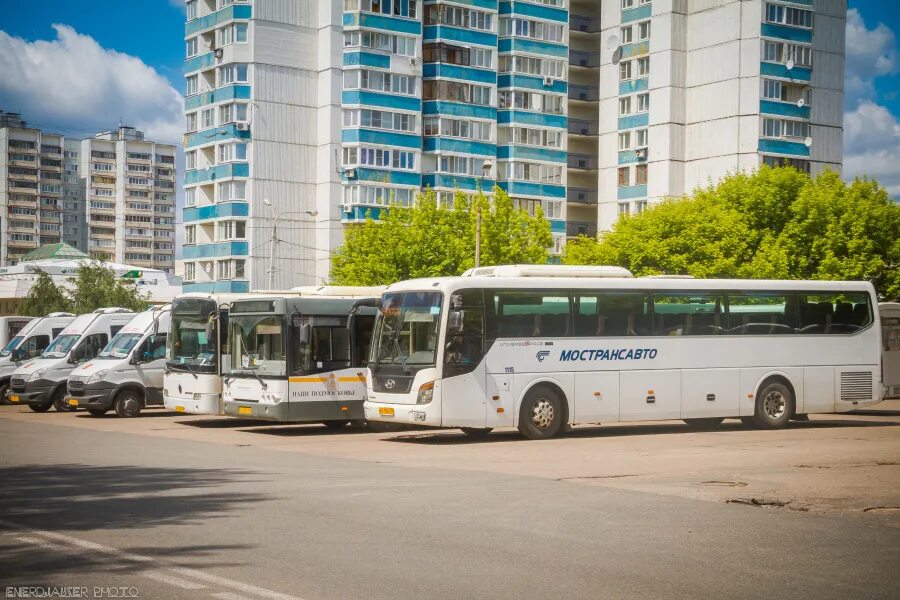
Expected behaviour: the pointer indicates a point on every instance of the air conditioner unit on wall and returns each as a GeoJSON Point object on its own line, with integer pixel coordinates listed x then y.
{"type": "Point", "coordinates": [350, 173]}
{"type": "Point", "coordinates": [347, 208]}
{"type": "Point", "coordinates": [548, 81]}
{"type": "Point", "coordinates": [641, 153]}
{"type": "Point", "coordinates": [241, 126]}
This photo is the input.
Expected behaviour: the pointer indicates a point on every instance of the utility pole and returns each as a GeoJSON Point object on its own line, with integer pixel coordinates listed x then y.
{"type": "Point", "coordinates": [478, 236]}
{"type": "Point", "coordinates": [274, 238]}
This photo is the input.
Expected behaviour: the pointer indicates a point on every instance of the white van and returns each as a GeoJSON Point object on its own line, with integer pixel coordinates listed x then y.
{"type": "Point", "coordinates": [128, 374]}
{"type": "Point", "coordinates": [29, 343]}
{"type": "Point", "coordinates": [890, 348]}
{"type": "Point", "coordinates": [41, 383]}
{"type": "Point", "coordinates": [10, 328]}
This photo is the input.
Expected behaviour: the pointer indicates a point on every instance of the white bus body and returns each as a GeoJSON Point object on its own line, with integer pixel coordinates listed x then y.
{"type": "Point", "coordinates": [890, 348]}
{"type": "Point", "coordinates": [10, 328]}
{"type": "Point", "coordinates": [299, 358]}
{"type": "Point", "coordinates": [127, 375]}
{"type": "Point", "coordinates": [28, 343]}
{"type": "Point", "coordinates": [540, 352]}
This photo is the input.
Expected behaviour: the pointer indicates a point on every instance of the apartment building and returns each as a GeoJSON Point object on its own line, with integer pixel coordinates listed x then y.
{"type": "Point", "coordinates": [40, 193]}
{"type": "Point", "coordinates": [128, 184]}
{"type": "Point", "coordinates": [691, 91]}
{"type": "Point", "coordinates": [306, 116]}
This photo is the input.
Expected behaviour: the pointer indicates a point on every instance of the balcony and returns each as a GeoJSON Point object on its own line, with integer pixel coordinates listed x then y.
{"type": "Point", "coordinates": [584, 24]}
{"type": "Point", "coordinates": [22, 146]}
{"type": "Point", "coordinates": [585, 59]}
{"type": "Point", "coordinates": [103, 234]}
{"type": "Point", "coordinates": [14, 227]}
{"type": "Point", "coordinates": [18, 162]}
{"type": "Point", "coordinates": [51, 150]}
{"type": "Point", "coordinates": [22, 243]}
{"type": "Point", "coordinates": [576, 228]}
{"type": "Point", "coordinates": [584, 127]}
{"type": "Point", "coordinates": [581, 196]}
{"type": "Point", "coordinates": [583, 162]}
{"type": "Point", "coordinates": [584, 93]}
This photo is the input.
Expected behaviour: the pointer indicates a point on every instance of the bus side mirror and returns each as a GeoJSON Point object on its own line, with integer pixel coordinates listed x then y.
{"type": "Point", "coordinates": [455, 321]}
{"type": "Point", "coordinates": [210, 331]}
{"type": "Point", "coordinates": [305, 333]}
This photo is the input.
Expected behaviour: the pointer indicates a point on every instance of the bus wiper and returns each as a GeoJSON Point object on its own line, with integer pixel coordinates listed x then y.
{"type": "Point", "coordinates": [191, 369]}
{"type": "Point", "coordinates": [402, 358]}
{"type": "Point", "coordinates": [264, 385]}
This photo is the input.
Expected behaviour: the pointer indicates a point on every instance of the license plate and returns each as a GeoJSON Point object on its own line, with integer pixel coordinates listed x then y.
{"type": "Point", "coordinates": [386, 411]}
{"type": "Point", "coordinates": [14, 399]}
{"type": "Point", "coordinates": [245, 410]}
{"type": "Point", "coordinates": [179, 409]}
{"type": "Point", "coordinates": [73, 402]}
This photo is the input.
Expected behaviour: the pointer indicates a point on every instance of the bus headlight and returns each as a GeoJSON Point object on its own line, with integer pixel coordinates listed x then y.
{"type": "Point", "coordinates": [98, 376]}
{"type": "Point", "coordinates": [426, 392]}
{"type": "Point", "coordinates": [272, 397]}
{"type": "Point", "coordinates": [35, 375]}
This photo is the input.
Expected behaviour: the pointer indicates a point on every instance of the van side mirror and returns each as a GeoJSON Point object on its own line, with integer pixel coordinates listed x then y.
{"type": "Point", "coordinates": [455, 321]}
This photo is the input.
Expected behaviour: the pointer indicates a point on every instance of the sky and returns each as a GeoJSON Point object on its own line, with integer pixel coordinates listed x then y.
{"type": "Point", "coordinates": [81, 67]}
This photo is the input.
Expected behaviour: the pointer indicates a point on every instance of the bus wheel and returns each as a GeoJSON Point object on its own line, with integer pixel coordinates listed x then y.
{"type": "Point", "coordinates": [59, 402]}
{"type": "Point", "coordinates": [477, 433]}
{"type": "Point", "coordinates": [774, 406]}
{"type": "Point", "coordinates": [4, 387]}
{"type": "Point", "coordinates": [335, 424]}
{"type": "Point", "coordinates": [541, 414]}
{"type": "Point", "coordinates": [42, 407]}
{"type": "Point", "coordinates": [97, 412]}
{"type": "Point", "coordinates": [128, 404]}
{"type": "Point", "coordinates": [705, 423]}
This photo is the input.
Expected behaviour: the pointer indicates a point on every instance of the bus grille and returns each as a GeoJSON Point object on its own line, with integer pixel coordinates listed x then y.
{"type": "Point", "coordinates": [856, 386]}
{"type": "Point", "coordinates": [17, 383]}
{"type": "Point", "coordinates": [76, 384]}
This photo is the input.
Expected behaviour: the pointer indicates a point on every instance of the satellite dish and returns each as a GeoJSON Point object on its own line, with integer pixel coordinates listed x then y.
{"type": "Point", "coordinates": [612, 42]}
{"type": "Point", "coordinates": [789, 64]}
{"type": "Point", "coordinates": [808, 142]}
{"type": "Point", "coordinates": [617, 55]}
{"type": "Point", "coordinates": [801, 102]}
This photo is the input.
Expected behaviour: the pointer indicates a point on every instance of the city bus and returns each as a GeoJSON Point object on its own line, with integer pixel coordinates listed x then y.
{"type": "Point", "coordinates": [300, 358]}
{"type": "Point", "coordinates": [890, 359]}
{"type": "Point", "coordinates": [544, 348]}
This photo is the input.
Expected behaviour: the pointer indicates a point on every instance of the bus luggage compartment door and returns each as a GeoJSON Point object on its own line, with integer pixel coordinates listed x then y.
{"type": "Point", "coordinates": [499, 406]}
{"type": "Point", "coordinates": [650, 395]}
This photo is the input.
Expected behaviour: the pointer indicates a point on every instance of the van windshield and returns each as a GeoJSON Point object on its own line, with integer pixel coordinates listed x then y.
{"type": "Point", "coordinates": [61, 346]}
{"type": "Point", "coordinates": [120, 345]}
{"type": "Point", "coordinates": [11, 345]}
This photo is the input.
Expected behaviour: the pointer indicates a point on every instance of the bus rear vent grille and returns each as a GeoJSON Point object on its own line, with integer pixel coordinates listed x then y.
{"type": "Point", "coordinates": [856, 386]}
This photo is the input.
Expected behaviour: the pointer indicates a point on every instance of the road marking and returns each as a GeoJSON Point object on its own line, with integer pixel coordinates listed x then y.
{"type": "Point", "coordinates": [174, 581]}
{"type": "Point", "coordinates": [42, 543]}
{"type": "Point", "coordinates": [230, 596]}
{"type": "Point", "coordinates": [115, 552]}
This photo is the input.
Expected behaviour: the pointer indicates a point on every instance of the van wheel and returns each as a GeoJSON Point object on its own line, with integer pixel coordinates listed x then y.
{"type": "Point", "coordinates": [774, 406]}
{"type": "Point", "coordinates": [4, 388]}
{"type": "Point", "coordinates": [477, 433]}
{"type": "Point", "coordinates": [541, 414]}
{"type": "Point", "coordinates": [97, 412]}
{"type": "Point", "coordinates": [59, 402]}
{"type": "Point", "coordinates": [42, 407]}
{"type": "Point", "coordinates": [335, 424]}
{"type": "Point", "coordinates": [128, 404]}
{"type": "Point", "coordinates": [705, 423]}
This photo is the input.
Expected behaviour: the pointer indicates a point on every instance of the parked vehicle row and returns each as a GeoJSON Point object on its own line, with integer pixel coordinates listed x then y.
{"type": "Point", "coordinates": [533, 347]}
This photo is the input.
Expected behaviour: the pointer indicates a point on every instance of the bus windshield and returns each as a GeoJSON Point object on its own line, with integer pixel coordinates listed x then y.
{"type": "Point", "coordinates": [60, 347]}
{"type": "Point", "coordinates": [192, 342]}
{"type": "Point", "coordinates": [406, 330]}
{"type": "Point", "coordinates": [258, 345]}
{"type": "Point", "coordinates": [120, 345]}
{"type": "Point", "coordinates": [11, 346]}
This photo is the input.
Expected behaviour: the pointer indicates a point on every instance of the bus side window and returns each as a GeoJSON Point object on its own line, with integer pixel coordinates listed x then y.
{"type": "Point", "coordinates": [464, 347]}
{"type": "Point", "coordinates": [362, 337]}
{"type": "Point", "coordinates": [607, 314]}
{"type": "Point", "coordinates": [114, 329]}
{"type": "Point", "coordinates": [55, 332]}
{"type": "Point", "coordinates": [833, 313]}
{"type": "Point", "coordinates": [689, 313]}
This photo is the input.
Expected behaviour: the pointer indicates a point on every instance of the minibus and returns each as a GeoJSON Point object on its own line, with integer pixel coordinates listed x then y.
{"type": "Point", "coordinates": [28, 343]}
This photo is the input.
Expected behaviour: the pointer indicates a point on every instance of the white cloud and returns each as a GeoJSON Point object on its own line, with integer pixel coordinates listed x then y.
{"type": "Point", "coordinates": [872, 145]}
{"type": "Point", "coordinates": [870, 53]}
{"type": "Point", "coordinates": [73, 85]}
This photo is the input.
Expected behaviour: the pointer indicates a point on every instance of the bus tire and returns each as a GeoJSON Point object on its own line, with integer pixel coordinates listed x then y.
{"type": "Point", "coordinates": [704, 423]}
{"type": "Point", "coordinates": [128, 404]}
{"type": "Point", "coordinates": [477, 433]}
{"type": "Point", "coordinates": [774, 405]}
{"type": "Point", "coordinates": [4, 388]}
{"type": "Point", "coordinates": [541, 414]}
{"type": "Point", "coordinates": [337, 424]}
{"type": "Point", "coordinates": [59, 401]}
{"type": "Point", "coordinates": [97, 412]}
{"type": "Point", "coordinates": [42, 407]}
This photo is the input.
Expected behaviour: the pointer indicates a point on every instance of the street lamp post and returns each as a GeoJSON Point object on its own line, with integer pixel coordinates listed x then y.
{"type": "Point", "coordinates": [485, 171]}
{"type": "Point", "coordinates": [274, 238]}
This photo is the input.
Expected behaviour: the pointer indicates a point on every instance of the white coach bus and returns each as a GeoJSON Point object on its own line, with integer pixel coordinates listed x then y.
{"type": "Point", "coordinates": [539, 348]}
{"type": "Point", "coordinates": [890, 359]}
{"type": "Point", "coordinates": [300, 358]}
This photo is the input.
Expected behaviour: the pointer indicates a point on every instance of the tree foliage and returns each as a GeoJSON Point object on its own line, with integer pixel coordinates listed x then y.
{"type": "Point", "coordinates": [44, 297]}
{"type": "Point", "coordinates": [427, 241]}
{"type": "Point", "coordinates": [94, 286]}
{"type": "Point", "coordinates": [775, 223]}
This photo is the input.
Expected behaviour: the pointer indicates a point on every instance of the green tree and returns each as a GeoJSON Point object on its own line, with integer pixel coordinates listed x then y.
{"type": "Point", "coordinates": [44, 297]}
{"type": "Point", "coordinates": [96, 286]}
{"type": "Point", "coordinates": [427, 240]}
{"type": "Point", "coordinates": [775, 223]}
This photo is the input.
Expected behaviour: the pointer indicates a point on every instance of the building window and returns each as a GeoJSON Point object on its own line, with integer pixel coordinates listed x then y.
{"type": "Point", "coordinates": [627, 4]}
{"type": "Point", "coordinates": [191, 122]}
{"type": "Point", "coordinates": [190, 234]}
{"type": "Point", "coordinates": [207, 118]}
{"type": "Point", "coordinates": [625, 105]}
{"type": "Point", "coordinates": [640, 206]}
{"type": "Point", "coordinates": [190, 160]}
{"type": "Point", "coordinates": [191, 47]}
{"type": "Point", "coordinates": [624, 177]}
{"type": "Point", "coordinates": [643, 66]}
{"type": "Point", "coordinates": [623, 208]}
{"type": "Point", "coordinates": [640, 175]}
{"type": "Point", "coordinates": [191, 10]}
{"type": "Point", "coordinates": [231, 151]}
{"type": "Point", "coordinates": [644, 30]}
{"type": "Point", "coordinates": [626, 34]}
{"type": "Point", "coordinates": [625, 70]}
{"type": "Point", "coordinates": [785, 15]}
{"type": "Point", "coordinates": [231, 191]}
{"type": "Point", "coordinates": [236, 73]}
{"type": "Point", "coordinates": [232, 230]}
{"type": "Point", "coordinates": [190, 85]}
{"type": "Point", "coordinates": [641, 138]}
{"type": "Point", "coordinates": [190, 197]}
{"type": "Point", "coordinates": [625, 140]}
